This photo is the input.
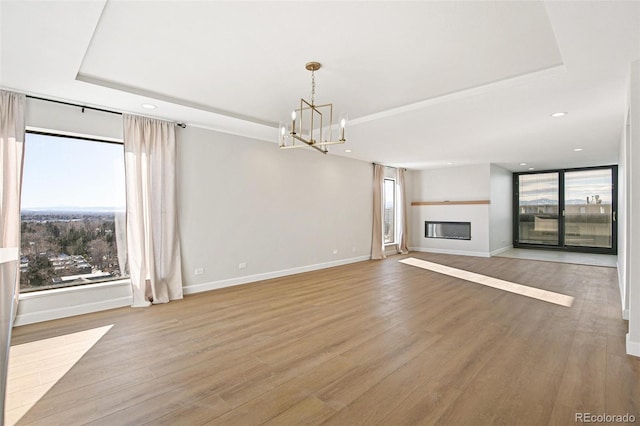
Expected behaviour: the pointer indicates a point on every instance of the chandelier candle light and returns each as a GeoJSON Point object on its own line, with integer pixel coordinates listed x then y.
{"type": "Point", "coordinates": [308, 124]}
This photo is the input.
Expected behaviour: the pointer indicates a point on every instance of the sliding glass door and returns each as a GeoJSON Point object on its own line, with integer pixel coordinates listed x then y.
{"type": "Point", "coordinates": [589, 208]}
{"type": "Point", "coordinates": [538, 208]}
{"type": "Point", "coordinates": [566, 209]}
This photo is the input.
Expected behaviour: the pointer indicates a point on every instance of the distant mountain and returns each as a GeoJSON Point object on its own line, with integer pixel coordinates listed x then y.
{"type": "Point", "coordinates": [538, 202]}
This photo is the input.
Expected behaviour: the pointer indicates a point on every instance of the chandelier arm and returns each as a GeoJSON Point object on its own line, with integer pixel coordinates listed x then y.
{"type": "Point", "coordinates": [340, 142]}
{"type": "Point", "coordinates": [304, 146]}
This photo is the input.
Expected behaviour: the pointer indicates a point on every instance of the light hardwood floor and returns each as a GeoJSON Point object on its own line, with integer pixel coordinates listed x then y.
{"type": "Point", "coordinates": [376, 342]}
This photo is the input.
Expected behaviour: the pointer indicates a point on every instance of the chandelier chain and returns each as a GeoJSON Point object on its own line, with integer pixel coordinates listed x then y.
{"type": "Point", "coordinates": [313, 88]}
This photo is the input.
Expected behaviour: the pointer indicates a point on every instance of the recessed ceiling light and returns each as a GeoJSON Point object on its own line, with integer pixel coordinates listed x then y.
{"type": "Point", "coordinates": [523, 164]}
{"type": "Point", "coordinates": [347, 150]}
{"type": "Point", "coordinates": [532, 168]}
{"type": "Point", "coordinates": [558, 114]}
{"type": "Point", "coordinates": [449, 164]}
{"type": "Point", "coordinates": [577, 149]}
{"type": "Point", "coordinates": [149, 106]}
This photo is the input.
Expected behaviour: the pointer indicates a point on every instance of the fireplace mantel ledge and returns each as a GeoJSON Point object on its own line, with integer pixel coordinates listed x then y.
{"type": "Point", "coordinates": [447, 202]}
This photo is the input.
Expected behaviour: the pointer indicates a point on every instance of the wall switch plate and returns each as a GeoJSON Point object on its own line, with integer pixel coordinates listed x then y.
{"type": "Point", "coordinates": [198, 271]}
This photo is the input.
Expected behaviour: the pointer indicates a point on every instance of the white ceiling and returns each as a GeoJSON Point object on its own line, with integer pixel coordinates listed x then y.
{"type": "Point", "coordinates": [424, 84]}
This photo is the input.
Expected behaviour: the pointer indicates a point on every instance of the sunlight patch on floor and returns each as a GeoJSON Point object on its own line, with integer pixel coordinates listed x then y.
{"type": "Point", "coordinates": [35, 367]}
{"type": "Point", "coordinates": [523, 290]}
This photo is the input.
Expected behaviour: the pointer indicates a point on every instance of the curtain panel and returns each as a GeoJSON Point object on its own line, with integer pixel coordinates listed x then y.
{"type": "Point", "coordinates": [402, 214]}
{"type": "Point", "coordinates": [12, 131]}
{"type": "Point", "coordinates": [377, 237]}
{"type": "Point", "coordinates": [153, 243]}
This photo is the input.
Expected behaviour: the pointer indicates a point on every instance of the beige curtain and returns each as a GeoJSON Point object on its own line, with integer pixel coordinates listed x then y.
{"type": "Point", "coordinates": [402, 214]}
{"type": "Point", "coordinates": [12, 130]}
{"type": "Point", "coordinates": [377, 238]}
{"type": "Point", "coordinates": [153, 244]}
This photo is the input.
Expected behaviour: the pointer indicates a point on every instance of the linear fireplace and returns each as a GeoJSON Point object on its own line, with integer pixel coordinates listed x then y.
{"type": "Point", "coordinates": [448, 230]}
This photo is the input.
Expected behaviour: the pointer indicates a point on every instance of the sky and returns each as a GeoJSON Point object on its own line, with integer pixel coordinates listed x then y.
{"type": "Point", "coordinates": [64, 172]}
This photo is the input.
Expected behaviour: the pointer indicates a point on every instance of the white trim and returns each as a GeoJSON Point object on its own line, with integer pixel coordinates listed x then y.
{"type": "Point", "coordinates": [70, 311]}
{"type": "Point", "coordinates": [625, 314]}
{"type": "Point", "coordinates": [448, 251]}
{"type": "Point", "coordinates": [59, 301]}
{"type": "Point", "coordinates": [198, 288]}
{"type": "Point", "coordinates": [500, 250]}
{"type": "Point", "coordinates": [72, 289]}
{"type": "Point", "coordinates": [633, 348]}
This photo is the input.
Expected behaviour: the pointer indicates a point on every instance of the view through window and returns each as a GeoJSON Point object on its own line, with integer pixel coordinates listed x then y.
{"type": "Point", "coordinates": [389, 211]}
{"type": "Point", "coordinates": [72, 212]}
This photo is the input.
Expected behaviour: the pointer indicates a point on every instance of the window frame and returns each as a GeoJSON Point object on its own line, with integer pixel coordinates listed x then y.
{"type": "Point", "coordinates": [395, 210]}
{"type": "Point", "coordinates": [114, 281]}
{"type": "Point", "coordinates": [562, 246]}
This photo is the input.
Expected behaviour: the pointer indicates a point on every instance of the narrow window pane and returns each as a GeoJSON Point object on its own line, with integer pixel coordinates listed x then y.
{"type": "Point", "coordinates": [538, 208]}
{"type": "Point", "coordinates": [588, 201]}
{"type": "Point", "coordinates": [389, 211]}
{"type": "Point", "coordinates": [72, 212]}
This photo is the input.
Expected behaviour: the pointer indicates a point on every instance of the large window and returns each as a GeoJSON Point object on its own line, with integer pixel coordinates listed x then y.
{"type": "Point", "coordinates": [571, 209]}
{"type": "Point", "coordinates": [72, 212]}
{"type": "Point", "coordinates": [389, 214]}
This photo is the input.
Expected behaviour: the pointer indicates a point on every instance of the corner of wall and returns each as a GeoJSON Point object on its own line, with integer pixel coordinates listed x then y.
{"type": "Point", "coordinates": [633, 348]}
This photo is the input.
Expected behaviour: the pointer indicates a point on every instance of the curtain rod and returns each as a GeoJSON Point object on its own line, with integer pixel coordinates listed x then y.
{"type": "Point", "coordinates": [182, 125]}
{"type": "Point", "coordinates": [390, 167]}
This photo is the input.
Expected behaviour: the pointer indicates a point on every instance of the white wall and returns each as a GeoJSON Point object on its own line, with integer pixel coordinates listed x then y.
{"type": "Point", "coordinates": [622, 219]}
{"type": "Point", "coordinates": [633, 228]}
{"type": "Point", "coordinates": [451, 184]}
{"type": "Point", "coordinates": [500, 210]}
{"type": "Point", "coordinates": [244, 201]}
{"type": "Point", "coordinates": [409, 177]}
{"type": "Point", "coordinates": [491, 224]}
{"type": "Point", "coordinates": [240, 200]}
{"type": "Point", "coordinates": [66, 118]}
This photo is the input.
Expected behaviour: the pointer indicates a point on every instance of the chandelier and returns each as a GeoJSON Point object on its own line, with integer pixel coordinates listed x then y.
{"type": "Point", "coordinates": [312, 125]}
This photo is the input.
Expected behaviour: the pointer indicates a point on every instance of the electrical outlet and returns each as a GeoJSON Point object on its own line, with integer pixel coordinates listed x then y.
{"type": "Point", "coordinates": [335, 251]}
{"type": "Point", "coordinates": [198, 271]}
{"type": "Point", "coordinates": [242, 265]}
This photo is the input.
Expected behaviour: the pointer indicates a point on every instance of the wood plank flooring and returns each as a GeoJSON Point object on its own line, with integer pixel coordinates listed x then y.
{"type": "Point", "coordinates": [376, 342]}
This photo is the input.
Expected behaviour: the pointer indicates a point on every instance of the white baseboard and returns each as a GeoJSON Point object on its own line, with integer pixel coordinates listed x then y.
{"type": "Point", "coordinates": [197, 288]}
{"type": "Point", "coordinates": [447, 251]}
{"type": "Point", "coordinates": [633, 348]}
{"type": "Point", "coordinates": [500, 250]}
